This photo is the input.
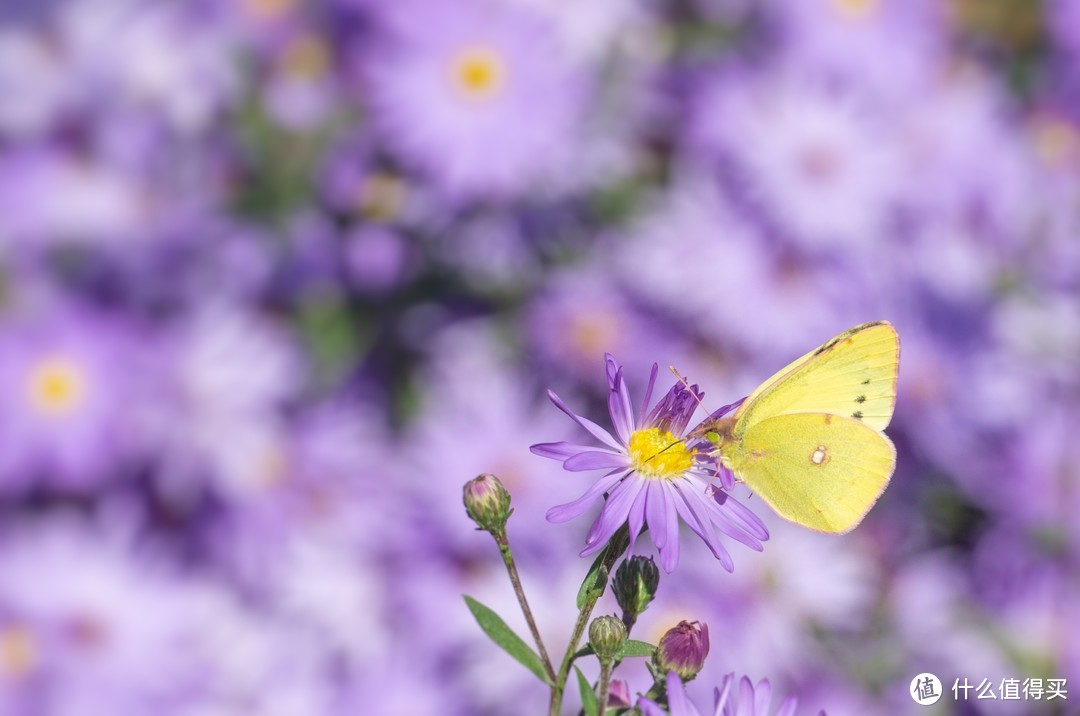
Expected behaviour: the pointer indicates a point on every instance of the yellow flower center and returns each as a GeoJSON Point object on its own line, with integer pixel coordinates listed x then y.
{"type": "Point", "coordinates": [591, 331]}
{"type": "Point", "coordinates": [56, 386]}
{"type": "Point", "coordinates": [18, 651]}
{"type": "Point", "coordinates": [478, 72]}
{"type": "Point", "coordinates": [307, 56]}
{"type": "Point", "coordinates": [855, 9]}
{"type": "Point", "coordinates": [381, 196]}
{"type": "Point", "coordinates": [656, 453]}
{"type": "Point", "coordinates": [1056, 141]}
{"type": "Point", "coordinates": [268, 9]}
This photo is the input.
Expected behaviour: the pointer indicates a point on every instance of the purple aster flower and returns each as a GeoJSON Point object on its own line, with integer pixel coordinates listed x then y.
{"type": "Point", "coordinates": [74, 388]}
{"type": "Point", "coordinates": [655, 476]}
{"type": "Point", "coordinates": [478, 95]}
{"type": "Point", "coordinates": [751, 700]}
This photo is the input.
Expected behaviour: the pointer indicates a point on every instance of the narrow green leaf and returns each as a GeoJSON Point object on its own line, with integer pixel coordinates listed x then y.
{"type": "Point", "coordinates": [584, 651]}
{"type": "Point", "coordinates": [633, 647]}
{"type": "Point", "coordinates": [588, 696]}
{"type": "Point", "coordinates": [497, 630]}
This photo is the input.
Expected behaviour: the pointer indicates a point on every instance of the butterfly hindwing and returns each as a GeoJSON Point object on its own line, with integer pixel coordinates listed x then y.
{"type": "Point", "coordinates": [853, 375]}
{"type": "Point", "coordinates": [820, 470]}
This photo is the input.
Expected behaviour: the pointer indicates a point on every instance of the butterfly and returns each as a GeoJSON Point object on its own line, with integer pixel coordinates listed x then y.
{"type": "Point", "coordinates": [810, 440]}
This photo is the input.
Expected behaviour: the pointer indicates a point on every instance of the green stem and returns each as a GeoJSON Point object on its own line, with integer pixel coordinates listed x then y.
{"type": "Point", "coordinates": [603, 687]}
{"type": "Point", "coordinates": [615, 548]}
{"type": "Point", "coordinates": [511, 568]}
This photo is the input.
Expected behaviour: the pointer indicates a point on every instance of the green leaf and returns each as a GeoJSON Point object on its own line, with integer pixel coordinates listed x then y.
{"type": "Point", "coordinates": [633, 647]}
{"type": "Point", "coordinates": [588, 697]}
{"type": "Point", "coordinates": [584, 651]}
{"type": "Point", "coordinates": [592, 588]}
{"type": "Point", "coordinates": [497, 630]}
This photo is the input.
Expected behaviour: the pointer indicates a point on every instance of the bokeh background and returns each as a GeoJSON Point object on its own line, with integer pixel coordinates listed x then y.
{"type": "Point", "coordinates": [279, 276]}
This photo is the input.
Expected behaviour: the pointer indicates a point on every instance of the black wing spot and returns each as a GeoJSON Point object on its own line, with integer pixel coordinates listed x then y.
{"type": "Point", "coordinates": [866, 382]}
{"type": "Point", "coordinates": [860, 399]}
{"type": "Point", "coordinates": [857, 415]}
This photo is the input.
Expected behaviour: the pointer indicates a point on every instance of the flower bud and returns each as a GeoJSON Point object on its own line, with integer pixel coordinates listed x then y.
{"type": "Point", "coordinates": [635, 585]}
{"type": "Point", "coordinates": [619, 695]}
{"type": "Point", "coordinates": [487, 502]}
{"type": "Point", "coordinates": [606, 635]}
{"type": "Point", "coordinates": [683, 649]}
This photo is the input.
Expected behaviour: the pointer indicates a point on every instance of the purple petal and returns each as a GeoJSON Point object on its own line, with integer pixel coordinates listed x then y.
{"type": "Point", "coordinates": [654, 514]}
{"type": "Point", "coordinates": [788, 707]}
{"type": "Point", "coordinates": [648, 707]}
{"type": "Point", "coordinates": [721, 412]}
{"type": "Point", "coordinates": [611, 369]}
{"type": "Point", "coordinates": [762, 696]}
{"type": "Point", "coordinates": [595, 430]}
{"type": "Point", "coordinates": [570, 510]}
{"type": "Point", "coordinates": [669, 553]}
{"type": "Point", "coordinates": [722, 519]}
{"type": "Point", "coordinates": [559, 450]}
{"type": "Point", "coordinates": [596, 460]}
{"type": "Point", "coordinates": [613, 515]}
{"type": "Point", "coordinates": [619, 405]}
{"type": "Point", "coordinates": [742, 515]}
{"type": "Point", "coordinates": [702, 527]}
{"type": "Point", "coordinates": [722, 694]}
{"type": "Point", "coordinates": [622, 413]}
{"type": "Point", "coordinates": [648, 391]}
{"type": "Point", "coordinates": [636, 517]}
{"type": "Point", "coordinates": [678, 702]}
{"type": "Point", "coordinates": [727, 478]}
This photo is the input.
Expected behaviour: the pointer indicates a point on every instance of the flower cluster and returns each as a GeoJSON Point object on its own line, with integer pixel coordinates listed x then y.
{"type": "Point", "coordinates": [277, 277]}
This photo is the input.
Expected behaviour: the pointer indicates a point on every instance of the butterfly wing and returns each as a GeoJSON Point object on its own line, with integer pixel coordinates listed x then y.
{"type": "Point", "coordinates": [852, 375]}
{"type": "Point", "coordinates": [820, 470]}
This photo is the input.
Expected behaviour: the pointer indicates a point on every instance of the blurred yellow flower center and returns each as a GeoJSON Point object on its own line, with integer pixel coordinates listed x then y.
{"type": "Point", "coordinates": [478, 72]}
{"type": "Point", "coordinates": [382, 196]}
{"type": "Point", "coordinates": [56, 386]}
{"type": "Point", "coordinates": [855, 9]}
{"type": "Point", "coordinates": [656, 453]}
{"type": "Point", "coordinates": [308, 56]}
{"type": "Point", "coordinates": [268, 9]}
{"type": "Point", "coordinates": [1056, 141]}
{"type": "Point", "coordinates": [18, 652]}
{"type": "Point", "coordinates": [591, 332]}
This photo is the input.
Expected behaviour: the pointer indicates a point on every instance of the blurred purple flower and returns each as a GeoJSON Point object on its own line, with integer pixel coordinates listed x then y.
{"type": "Point", "coordinates": [49, 197]}
{"type": "Point", "coordinates": [583, 311]}
{"type": "Point", "coordinates": [819, 163]}
{"type": "Point", "coordinates": [751, 701]}
{"type": "Point", "coordinates": [477, 94]}
{"type": "Point", "coordinates": [891, 49]}
{"type": "Point", "coordinates": [377, 259]}
{"type": "Point", "coordinates": [654, 478]}
{"type": "Point", "coordinates": [73, 383]}
{"type": "Point", "coordinates": [85, 619]}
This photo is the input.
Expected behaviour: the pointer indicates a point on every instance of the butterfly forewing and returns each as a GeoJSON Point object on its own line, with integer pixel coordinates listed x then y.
{"type": "Point", "coordinates": [819, 470]}
{"type": "Point", "coordinates": [852, 375]}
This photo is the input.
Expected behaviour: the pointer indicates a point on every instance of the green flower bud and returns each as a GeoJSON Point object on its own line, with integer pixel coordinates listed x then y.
{"type": "Point", "coordinates": [635, 585]}
{"type": "Point", "coordinates": [487, 502]}
{"type": "Point", "coordinates": [606, 635]}
{"type": "Point", "coordinates": [683, 650]}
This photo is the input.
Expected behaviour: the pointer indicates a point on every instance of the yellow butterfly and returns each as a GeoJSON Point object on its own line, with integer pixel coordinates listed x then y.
{"type": "Point", "coordinates": [809, 440]}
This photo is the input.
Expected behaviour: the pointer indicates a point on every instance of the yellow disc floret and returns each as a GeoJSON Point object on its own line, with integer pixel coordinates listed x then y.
{"type": "Point", "coordinates": [856, 9]}
{"type": "Point", "coordinates": [657, 453]}
{"type": "Point", "coordinates": [56, 386]}
{"type": "Point", "coordinates": [18, 651]}
{"type": "Point", "coordinates": [478, 72]}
